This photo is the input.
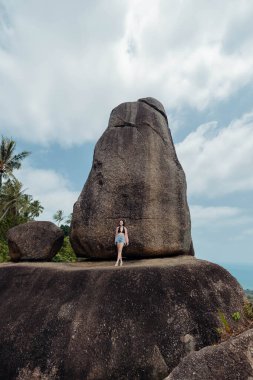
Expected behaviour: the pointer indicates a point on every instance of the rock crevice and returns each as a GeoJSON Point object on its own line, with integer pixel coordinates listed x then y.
{"type": "Point", "coordinates": [146, 101]}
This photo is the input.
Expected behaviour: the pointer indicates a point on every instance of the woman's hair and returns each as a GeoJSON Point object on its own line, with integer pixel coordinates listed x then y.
{"type": "Point", "coordinates": [123, 220]}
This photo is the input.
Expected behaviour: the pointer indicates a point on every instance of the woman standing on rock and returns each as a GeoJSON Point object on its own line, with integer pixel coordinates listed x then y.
{"type": "Point", "coordinates": [121, 238]}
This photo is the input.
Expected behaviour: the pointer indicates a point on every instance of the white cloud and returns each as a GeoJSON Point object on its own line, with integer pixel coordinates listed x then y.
{"type": "Point", "coordinates": [64, 65]}
{"type": "Point", "coordinates": [218, 216]}
{"type": "Point", "coordinates": [212, 213]}
{"type": "Point", "coordinates": [248, 232]}
{"type": "Point", "coordinates": [50, 188]}
{"type": "Point", "coordinates": [218, 161]}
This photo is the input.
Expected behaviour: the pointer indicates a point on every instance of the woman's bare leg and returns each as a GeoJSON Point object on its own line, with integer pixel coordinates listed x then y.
{"type": "Point", "coordinates": [119, 258]}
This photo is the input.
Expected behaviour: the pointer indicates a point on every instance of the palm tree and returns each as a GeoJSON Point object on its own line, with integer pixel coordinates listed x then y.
{"type": "Point", "coordinates": [15, 204]}
{"type": "Point", "coordinates": [58, 216]}
{"type": "Point", "coordinates": [8, 160]}
{"type": "Point", "coordinates": [10, 197]}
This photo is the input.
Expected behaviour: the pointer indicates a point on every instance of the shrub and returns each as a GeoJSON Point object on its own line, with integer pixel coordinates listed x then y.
{"type": "Point", "coordinates": [65, 228]}
{"type": "Point", "coordinates": [225, 323]}
{"type": "Point", "coordinates": [4, 252]}
{"type": "Point", "coordinates": [66, 253]}
{"type": "Point", "coordinates": [236, 316]}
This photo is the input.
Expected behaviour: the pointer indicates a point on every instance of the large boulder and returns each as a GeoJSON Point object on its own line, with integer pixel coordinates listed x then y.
{"type": "Point", "coordinates": [135, 175]}
{"type": "Point", "coordinates": [94, 321]}
{"type": "Point", "coordinates": [230, 360]}
{"type": "Point", "coordinates": [34, 241]}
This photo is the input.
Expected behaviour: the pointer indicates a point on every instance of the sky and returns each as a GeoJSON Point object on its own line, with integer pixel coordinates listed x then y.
{"type": "Point", "coordinates": [65, 65]}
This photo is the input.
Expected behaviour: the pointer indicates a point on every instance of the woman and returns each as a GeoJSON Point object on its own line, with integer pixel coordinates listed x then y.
{"type": "Point", "coordinates": [121, 238]}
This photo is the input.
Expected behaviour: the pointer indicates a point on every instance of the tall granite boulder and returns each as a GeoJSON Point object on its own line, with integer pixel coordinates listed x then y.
{"type": "Point", "coordinates": [34, 241]}
{"type": "Point", "coordinates": [135, 175]}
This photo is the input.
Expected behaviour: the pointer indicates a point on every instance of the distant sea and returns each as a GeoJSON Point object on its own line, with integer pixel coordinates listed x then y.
{"type": "Point", "coordinates": [242, 272]}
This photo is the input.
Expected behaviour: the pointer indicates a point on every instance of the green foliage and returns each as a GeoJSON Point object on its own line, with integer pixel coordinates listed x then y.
{"type": "Point", "coordinates": [15, 203]}
{"type": "Point", "coordinates": [236, 316]}
{"type": "Point", "coordinates": [58, 216]}
{"type": "Point", "coordinates": [220, 331]}
{"type": "Point", "coordinates": [16, 207]}
{"type": "Point", "coordinates": [66, 253]}
{"type": "Point", "coordinates": [8, 159]}
{"type": "Point", "coordinates": [66, 229]}
{"type": "Point", "coordinates": [225, 324]}
{"type": "Point", "coordinates": [248, 310]}
{"type": "Point", "coordinates": [4, 252]}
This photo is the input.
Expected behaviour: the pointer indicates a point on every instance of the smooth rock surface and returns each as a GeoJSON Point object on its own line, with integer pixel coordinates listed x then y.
{"type": "Point", "coordinates": [85, 321]}
{"type": "Point", "coordinates": [230, 360]}
{"type": "Point", "coordinates": [34, 241]}
{"type": "Point", "coordinates": [135, 175]}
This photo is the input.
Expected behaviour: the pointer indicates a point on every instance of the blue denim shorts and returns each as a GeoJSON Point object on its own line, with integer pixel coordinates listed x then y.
{"type": "Point", "coordinates": [120, 239]}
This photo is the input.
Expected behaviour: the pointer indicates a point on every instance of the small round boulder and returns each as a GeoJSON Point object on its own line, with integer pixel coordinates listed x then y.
{"type": "Point", "coordinates": [34, 241]}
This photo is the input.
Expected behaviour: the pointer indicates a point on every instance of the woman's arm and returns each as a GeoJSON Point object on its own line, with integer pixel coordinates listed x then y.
{"type": "Point", "coordinates": [116, 232]}
{"type": "Point", "coordinates": [126, 237]}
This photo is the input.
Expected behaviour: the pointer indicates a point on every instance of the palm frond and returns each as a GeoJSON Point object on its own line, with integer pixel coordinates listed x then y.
{"type": "Point", "coordinates": [21, 156]}
{"type": "Point", "coordinates": [8, 160]}
{"type": "Point", "coordinates": [2, 150]}
{"type": "Point", "coordinates": [11, 165]}
{"type": "Point", "coordinates": [9, 149]}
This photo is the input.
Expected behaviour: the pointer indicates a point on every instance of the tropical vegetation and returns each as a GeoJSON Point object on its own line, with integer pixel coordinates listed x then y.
{"type": "Point", "coordinates": [66, 253]}
{"type": "Point", "coordinates": [16, 206]}
{"type": "Point", "coordinates": [8, 159]}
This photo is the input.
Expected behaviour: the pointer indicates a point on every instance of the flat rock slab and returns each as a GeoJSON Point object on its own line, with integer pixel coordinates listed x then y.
{"type": "Point", "coordinates": [86, 264]}
{"type": "Point", "coordinates": [92, 320]}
